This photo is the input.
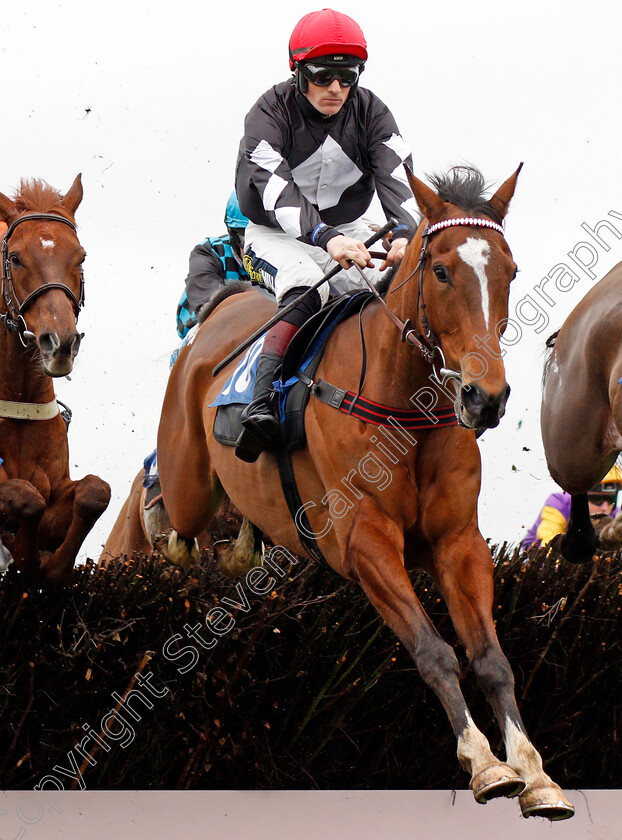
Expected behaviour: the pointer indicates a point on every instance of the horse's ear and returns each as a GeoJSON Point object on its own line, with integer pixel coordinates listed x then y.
{"type": "Point", "coordinates": [8, 211]}
{"type": "Point", "coordinates": [72, 199]}
{"type": "Point", "coordinates": [501, 199]}
{"type": "Point", "coordinates": [432, 207]}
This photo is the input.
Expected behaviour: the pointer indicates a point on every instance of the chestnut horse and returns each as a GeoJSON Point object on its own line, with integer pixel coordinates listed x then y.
{"type": "Point", "coordinates": [140, 525]}
{"type": "Point", "coordinates": [44, 515]}
{"type": "Point", "coordinates": [417, 506]}
{"type": "Point", "coordinates": [581, 414]}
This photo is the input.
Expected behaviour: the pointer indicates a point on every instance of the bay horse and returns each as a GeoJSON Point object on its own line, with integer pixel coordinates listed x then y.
{"type": "Point", "coordinates": [581, 412]}
{"type": "Point", "coordinates": [417, 506]}
{"type": "Point", "coordinates": [44, 515]}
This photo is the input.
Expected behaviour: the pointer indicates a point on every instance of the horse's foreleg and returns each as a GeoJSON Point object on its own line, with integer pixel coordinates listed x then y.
{"type": "Point", "coordinates": [68, 521]}
{"type": "Point", "coordinates": [375, 558]}
{"type": "Point", "coordinates": [23, 505]}
{"type": "Point", "coordinates": [579, 542]}
{"type": "Point", "coordinates": [191, 489]}
{"type": "Point", "coordinates": [464, 575]}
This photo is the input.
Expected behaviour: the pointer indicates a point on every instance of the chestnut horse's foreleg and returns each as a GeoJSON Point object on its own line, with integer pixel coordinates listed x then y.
{"type": "Point", "coordinates": [22, 504]}
{"type": "Point", "coordinates": [464, 574]}
{"type": "Point", "coordinates": [68, 520]}
{"type": "Point", "coordinates": [191, 490]}
{"type": "Point", "coordinates": [374, 556]}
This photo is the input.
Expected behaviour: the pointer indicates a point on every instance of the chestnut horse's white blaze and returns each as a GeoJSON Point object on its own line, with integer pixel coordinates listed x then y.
{"type": "Point", "coordinates": [47, 243]}
{"type": "Point", "coordinates": [475, 253]}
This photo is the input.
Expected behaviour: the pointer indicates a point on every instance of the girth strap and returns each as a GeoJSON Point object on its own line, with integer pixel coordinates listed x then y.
{"type": "Point", "coordinates": [296, 507]}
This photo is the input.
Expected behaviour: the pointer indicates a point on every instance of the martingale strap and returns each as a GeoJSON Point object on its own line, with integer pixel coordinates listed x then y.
{"type": "Point", "coordinates": [376, 414]}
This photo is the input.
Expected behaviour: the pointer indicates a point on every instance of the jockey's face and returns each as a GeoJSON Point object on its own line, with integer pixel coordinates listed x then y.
{"type": "Point", "coordinates": [600, 507]}
{"type": "Point", "coordinates": [327, 100]}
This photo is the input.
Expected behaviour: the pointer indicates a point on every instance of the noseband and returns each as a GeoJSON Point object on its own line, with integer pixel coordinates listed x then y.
{"type": "Point", "coordinates": [14, 317]}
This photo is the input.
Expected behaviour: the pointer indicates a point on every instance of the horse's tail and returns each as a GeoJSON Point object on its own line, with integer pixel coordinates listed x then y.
{"type": "Point", "coordinates": [235, 288]}
{"type": "Point", "coordinates": [550, 346]}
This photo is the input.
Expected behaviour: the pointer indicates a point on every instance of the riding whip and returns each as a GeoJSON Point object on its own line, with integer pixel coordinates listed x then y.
{"type": "Point", "coordinates": [279, 315]}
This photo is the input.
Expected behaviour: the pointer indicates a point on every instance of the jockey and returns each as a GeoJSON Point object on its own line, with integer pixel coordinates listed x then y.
{"type": "Point", "coordinates": [213, 263]}
{"type": "Point", "coordinates": [553, 518]}
{"type": "Point", "coordinates": [314, 151]}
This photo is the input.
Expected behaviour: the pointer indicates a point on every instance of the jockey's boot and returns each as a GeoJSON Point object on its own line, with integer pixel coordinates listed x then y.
{"type": "Point", "coordinates": [261, 427]}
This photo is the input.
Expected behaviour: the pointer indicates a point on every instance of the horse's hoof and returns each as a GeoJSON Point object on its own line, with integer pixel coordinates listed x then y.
{"type": "Point", "coordinates": [547, 801]}
{"type": "Point", "coordinates": [494, 781]}
{"type": "Point", "coordinates": [181, 551]}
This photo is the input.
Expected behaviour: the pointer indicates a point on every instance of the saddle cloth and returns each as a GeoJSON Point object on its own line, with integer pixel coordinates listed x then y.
{"type": "Point", "coordinates": [303, 356]}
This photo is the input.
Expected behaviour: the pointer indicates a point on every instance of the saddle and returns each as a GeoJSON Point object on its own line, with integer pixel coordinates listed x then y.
{"type": "Point", "coordinates": [300, 363]}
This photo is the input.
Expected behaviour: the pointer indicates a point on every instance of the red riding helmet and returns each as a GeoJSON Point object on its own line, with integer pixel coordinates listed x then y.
{"type": "Point", "coordinates": [326, 33]}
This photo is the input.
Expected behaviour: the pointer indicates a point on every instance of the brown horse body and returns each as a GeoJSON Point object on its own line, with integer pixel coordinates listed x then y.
{"type": "Point", "coordinates": [44, 515]}
{"type": "Point", "coordinates": [581, 414]}
{"type": "Point", "coordinates": [377, 513]}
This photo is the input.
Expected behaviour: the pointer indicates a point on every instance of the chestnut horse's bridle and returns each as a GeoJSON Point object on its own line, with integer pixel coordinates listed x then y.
{"type": "Point", "coordinates": [14, 316]}
{"type": "Point", "coordinates": [426, 342]}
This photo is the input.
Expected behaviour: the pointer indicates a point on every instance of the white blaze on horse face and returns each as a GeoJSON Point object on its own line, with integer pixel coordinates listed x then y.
{"type": "Point", "coordinates": [475, 254]}
{"type": "Point", "coordinates": [47, 243]}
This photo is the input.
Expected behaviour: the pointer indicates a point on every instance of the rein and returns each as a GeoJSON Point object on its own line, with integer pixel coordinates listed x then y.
{"type": "Point", "coordinates": [14, 316]}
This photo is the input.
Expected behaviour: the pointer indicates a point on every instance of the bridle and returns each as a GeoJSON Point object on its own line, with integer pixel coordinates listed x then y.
{"type": "Point", "coordinates": [14, 316]}
{"type": "Point", "coordinates": [426, 342]}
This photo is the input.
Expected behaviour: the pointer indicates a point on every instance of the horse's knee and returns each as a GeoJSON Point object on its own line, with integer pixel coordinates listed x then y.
{"type": "Point", "coordinates": [21, 501]}
{"type": "Point", "coordinates": [92, 495]}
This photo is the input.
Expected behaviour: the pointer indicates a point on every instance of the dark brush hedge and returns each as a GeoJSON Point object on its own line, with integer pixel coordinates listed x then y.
{"type": "Point", "coordinates": [309, 689]}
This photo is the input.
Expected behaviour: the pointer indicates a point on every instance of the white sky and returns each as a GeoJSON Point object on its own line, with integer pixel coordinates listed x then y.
{"type": "Point", "coordinates": [168, 85]}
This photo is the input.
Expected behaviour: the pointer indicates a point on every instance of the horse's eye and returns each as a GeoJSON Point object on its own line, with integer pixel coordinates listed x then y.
{"type": "Point", "coordinates": [15, 260]}
{"type": "Point", "coordinates": [440, 273]}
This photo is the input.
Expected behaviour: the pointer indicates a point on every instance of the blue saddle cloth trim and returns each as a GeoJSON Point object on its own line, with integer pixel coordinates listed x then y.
{"type": "Point", "coordinates": [241, 384]}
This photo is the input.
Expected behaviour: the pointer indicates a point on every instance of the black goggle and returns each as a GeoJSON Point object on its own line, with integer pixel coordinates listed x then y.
{"type": "Point", "coordinates": [598, 498]}
{"type": "Point", "coordinates": [324, 76]}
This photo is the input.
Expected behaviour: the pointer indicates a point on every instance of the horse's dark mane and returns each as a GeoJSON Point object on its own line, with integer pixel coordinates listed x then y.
{"type": "Point", "coordinates": [464, 186]}
{"type": "Point", "coordinates": [550, 347]}
{"type": "Point", "coordinates": [35, 195]}
{"type": "Point", "coordinates": [235, 288]}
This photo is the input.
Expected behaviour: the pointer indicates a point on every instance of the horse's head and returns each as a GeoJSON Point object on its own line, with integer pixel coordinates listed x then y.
{"type": "Point", "coordinates": [462, 284]}
{"type": "Point", "coordinates": [42, 286]}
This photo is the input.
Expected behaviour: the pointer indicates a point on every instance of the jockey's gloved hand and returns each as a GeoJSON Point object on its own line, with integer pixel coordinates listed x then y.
{"type": "Point", "coordinates": [345, 250]}
{"type": "Point", "coordinates": [396, 253]}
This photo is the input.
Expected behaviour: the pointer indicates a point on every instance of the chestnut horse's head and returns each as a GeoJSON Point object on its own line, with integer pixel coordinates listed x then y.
{"type": "Point", "coordinates": [42, 285]}
{"type": "Point", "coordinates": [463, 278]}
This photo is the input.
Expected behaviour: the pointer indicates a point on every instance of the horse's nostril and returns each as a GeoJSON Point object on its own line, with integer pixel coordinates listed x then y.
{"type": "Point", "coordinates": [75, 344]}
{"type": "Point", "coordinates": [49, 343]}
{"type": "Point", "coordinates": [472, 397]}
